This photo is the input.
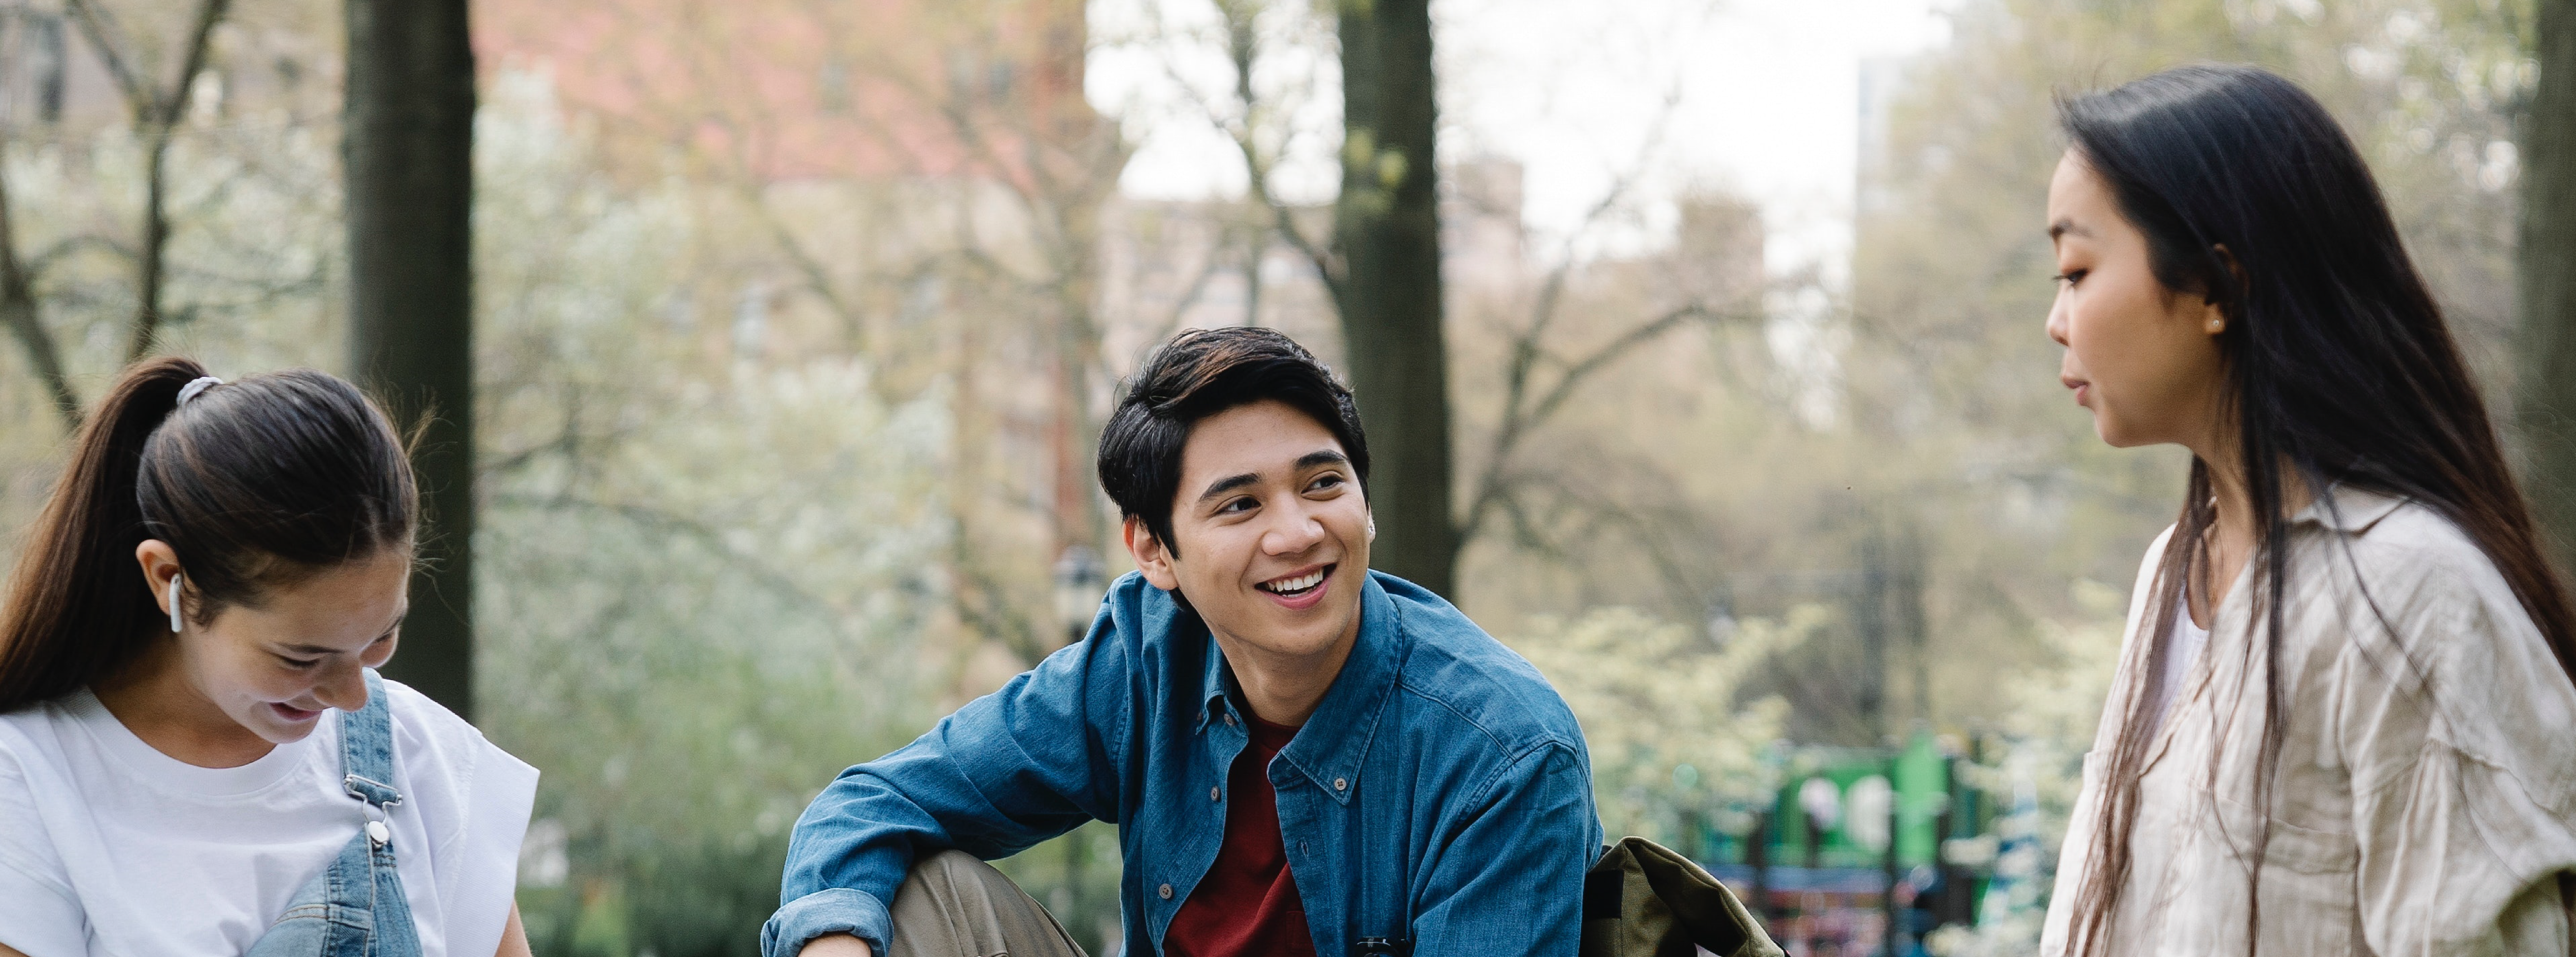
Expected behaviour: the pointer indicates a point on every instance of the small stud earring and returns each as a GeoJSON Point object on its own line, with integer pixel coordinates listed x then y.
{"type": "Point", "coordinates": [174, 604]}
{"type": "Point", "coordinates": [2217, 325]}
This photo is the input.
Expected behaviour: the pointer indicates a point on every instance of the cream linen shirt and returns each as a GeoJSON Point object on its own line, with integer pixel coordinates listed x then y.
{"type": "Point", "coordinates": [2426, 796]}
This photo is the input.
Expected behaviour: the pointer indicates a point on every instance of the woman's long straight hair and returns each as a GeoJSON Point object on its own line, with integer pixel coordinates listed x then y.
{"type": "Point", "coordinates": [254, 484]}
{"type": "Point", "coordinates": [2340, 368]}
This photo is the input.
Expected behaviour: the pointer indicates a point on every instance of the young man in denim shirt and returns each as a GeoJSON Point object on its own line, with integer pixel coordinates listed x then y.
{"type": "Point", "coordinates": [1303, 756]}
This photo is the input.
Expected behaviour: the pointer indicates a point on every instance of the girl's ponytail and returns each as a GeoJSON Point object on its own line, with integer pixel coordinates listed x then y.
{"type": "Point", "coordinates": [77, 604]}
{"type": "Point", "coordinates": [254, 484]}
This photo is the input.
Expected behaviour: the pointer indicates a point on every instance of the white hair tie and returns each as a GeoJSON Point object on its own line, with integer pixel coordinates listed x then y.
{"type": "Point", "coordinates": [197, 385]}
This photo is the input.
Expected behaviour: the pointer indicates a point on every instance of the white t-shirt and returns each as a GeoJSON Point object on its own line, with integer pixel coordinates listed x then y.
{"type": "Point", "coordinates": [109, 848]}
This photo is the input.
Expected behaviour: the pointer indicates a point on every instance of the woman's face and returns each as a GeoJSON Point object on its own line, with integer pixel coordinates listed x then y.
{"type": "Point", "coordinates": [275, 668]}
{"type": "Point", "coordinates": [2142, 357]}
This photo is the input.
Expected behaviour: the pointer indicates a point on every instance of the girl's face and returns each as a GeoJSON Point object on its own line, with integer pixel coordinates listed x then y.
{"type": "Point", "coordinates": [2142, 357]}
{"type": "Point", "coordinates": [276, 667]}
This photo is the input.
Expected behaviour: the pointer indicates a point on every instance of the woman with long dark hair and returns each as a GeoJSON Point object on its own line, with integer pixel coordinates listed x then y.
{"type": "Point", "coordinates": [196, 754]}
{"type": "Point", "coordinates": [2343, 721]}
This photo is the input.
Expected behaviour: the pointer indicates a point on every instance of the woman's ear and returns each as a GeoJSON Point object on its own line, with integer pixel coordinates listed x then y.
{"type": "Point", "coordinates": [1151, 558]}
{"type": "Point", "coordinates": [2235, 270]}
{"type": "Point", "coordinates": [2214, 315]}
{"type": "Point", "coordinates": [160, 566]}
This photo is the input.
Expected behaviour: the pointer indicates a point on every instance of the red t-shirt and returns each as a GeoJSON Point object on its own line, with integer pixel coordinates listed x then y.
{"type": "Point", "coordinates": [1247, 904]}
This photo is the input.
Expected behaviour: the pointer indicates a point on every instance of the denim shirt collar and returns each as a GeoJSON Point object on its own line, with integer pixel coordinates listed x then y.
{"type": "Point", "coordinates": [1329, 747]}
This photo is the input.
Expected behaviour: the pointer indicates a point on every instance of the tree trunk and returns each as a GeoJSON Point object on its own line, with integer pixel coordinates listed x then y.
{"type": "Point", "coordinates": [409, 123]}
{"type": "Point", "coordinates": [2546, 407]}
{"type": "Point", "coordinates": [1387, 224]}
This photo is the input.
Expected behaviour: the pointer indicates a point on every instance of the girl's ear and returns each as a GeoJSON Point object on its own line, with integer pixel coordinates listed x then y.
{"type": "Point", "coordinates": [160, 567]}
{"type": "Point", "coordinates": [1151, 558]}
{"type": "Point", "coordinates": [2235, 272]}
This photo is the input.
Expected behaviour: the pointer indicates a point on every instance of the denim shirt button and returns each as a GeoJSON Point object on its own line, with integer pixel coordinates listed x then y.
{"type": "Point", "coordinates": [1213, 792]}
{"type": "Point", "coordinates": [1165, 891]}
{"type": "Point", "coordinates": [1341, 784]}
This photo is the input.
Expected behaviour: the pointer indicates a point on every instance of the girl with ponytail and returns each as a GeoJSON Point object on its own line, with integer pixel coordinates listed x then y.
{"type": "Point", "coordinates": [2342, 718]}
{"type": "Point", "coordinates": [196, 754]}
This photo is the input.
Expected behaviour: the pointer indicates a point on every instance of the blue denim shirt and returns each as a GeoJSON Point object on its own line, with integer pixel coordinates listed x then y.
{"type": "Point", "coordinates": [1440, 793]}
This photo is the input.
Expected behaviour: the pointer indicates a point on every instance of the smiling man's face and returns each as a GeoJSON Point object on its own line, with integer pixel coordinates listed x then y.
{"type": "Point", "coordinates": [1271, 534]}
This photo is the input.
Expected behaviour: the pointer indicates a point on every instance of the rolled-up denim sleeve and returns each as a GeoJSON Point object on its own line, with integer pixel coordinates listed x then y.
{"type": "Point", "coordinates": [1008, 770]}
{"type": "Point", "coordinates": [1511, 880]}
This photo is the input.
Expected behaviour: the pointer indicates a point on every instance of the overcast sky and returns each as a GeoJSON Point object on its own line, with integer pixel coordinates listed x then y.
{"type": "Point", "coordinates": [1764, 102]}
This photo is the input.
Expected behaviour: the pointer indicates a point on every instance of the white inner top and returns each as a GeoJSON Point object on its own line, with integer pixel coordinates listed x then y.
{"type": "Point", "coordinates": [2173, 665]}
{"type": "Point", "coordinates": [109, 847]}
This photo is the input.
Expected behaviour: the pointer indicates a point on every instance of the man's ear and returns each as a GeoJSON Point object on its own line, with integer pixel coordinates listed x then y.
{"type": "Point", "coordinates": [1151, 558]}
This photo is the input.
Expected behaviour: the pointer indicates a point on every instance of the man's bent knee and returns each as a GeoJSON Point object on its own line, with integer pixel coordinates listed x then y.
{"type": "Point", "coordinates": [954, 905]}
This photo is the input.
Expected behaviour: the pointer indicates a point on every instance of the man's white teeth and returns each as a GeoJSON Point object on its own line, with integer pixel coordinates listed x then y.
{"type": "Point", "coordinates": [1300, 583]}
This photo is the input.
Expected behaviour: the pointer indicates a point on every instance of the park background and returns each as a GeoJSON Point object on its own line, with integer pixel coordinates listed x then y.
{"type": "Point", "coordinates": [763, 344]}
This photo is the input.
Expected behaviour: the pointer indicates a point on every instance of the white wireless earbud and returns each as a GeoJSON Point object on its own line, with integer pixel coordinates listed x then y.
{"type": "Point", "coordinates": [174, 604]}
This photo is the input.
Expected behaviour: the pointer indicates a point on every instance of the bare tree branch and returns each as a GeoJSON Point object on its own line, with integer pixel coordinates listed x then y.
{"type": "Point", "coordinates": [44, 259]}
{"type": "Point", "coordinates": [1209, 266]}
{"type": "Point", "coordinates": [1058, 187]}
{"type": "Point", "coordinates": [679, 526]}
{"type": "Point", "coordinates": [1552, 292]}
{"type": "Point", "coordinates": [817, 279]}
{"type": "Point", "coordinates": [156, 220]}
{"type": "Point", "coordinates": [174, 103]}
{"type": "Point", "coordinates": [984, 604]}
{"type": "Point", "coordinates": [1528, 350]}
{"type": "Point", "coordinates": [1243, 46]}
{"type": "Point", "coordinates": [1522, 416]}
{"type": "Point", "coordinates": [18, 309]}
{"type": "Point", "coordinates": [156, 117]}
{"type": "Point", "coordinates": [1580, 370]}
{"type": "Point", "coordinates": [99, 24]}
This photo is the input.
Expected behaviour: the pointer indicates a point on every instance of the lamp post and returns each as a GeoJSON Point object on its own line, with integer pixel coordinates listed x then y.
{"type": "Point", "coordinates": [1079, 580]}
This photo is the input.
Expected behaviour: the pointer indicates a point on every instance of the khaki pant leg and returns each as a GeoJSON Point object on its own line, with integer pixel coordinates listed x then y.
{"type": "Point", "coordinates": [954, 905]}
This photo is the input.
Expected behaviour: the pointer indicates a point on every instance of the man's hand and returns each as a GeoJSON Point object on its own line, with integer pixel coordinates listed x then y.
{"type": "Point", "coordinates": [836, 945]}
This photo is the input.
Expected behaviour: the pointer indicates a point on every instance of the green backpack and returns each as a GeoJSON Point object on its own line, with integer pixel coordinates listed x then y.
{"type": "Point", "coordinates": [1643, 900]}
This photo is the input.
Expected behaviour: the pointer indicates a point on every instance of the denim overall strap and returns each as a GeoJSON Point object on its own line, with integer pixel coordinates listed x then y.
{"type": "Point", "coordinates": [367, 751]}
{"type": "Point", "coordinates": [355, 907]}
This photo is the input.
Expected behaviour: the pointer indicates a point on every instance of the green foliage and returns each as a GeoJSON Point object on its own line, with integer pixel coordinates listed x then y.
{"type": "Point", "coordinates": [672, 900]}
{"type": "Point", "coordinates": [2054, 711]}
{"type": "Point", "coordinates": [1076, 877]}
{"type": "Point", "coordinates": [702, 584]}
{"type": "Point", "coordinates": [1660, 712]}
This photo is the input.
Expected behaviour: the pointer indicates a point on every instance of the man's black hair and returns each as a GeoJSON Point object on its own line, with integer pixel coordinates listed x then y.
{"type": "Point", "coordinates": [1197, 374]}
